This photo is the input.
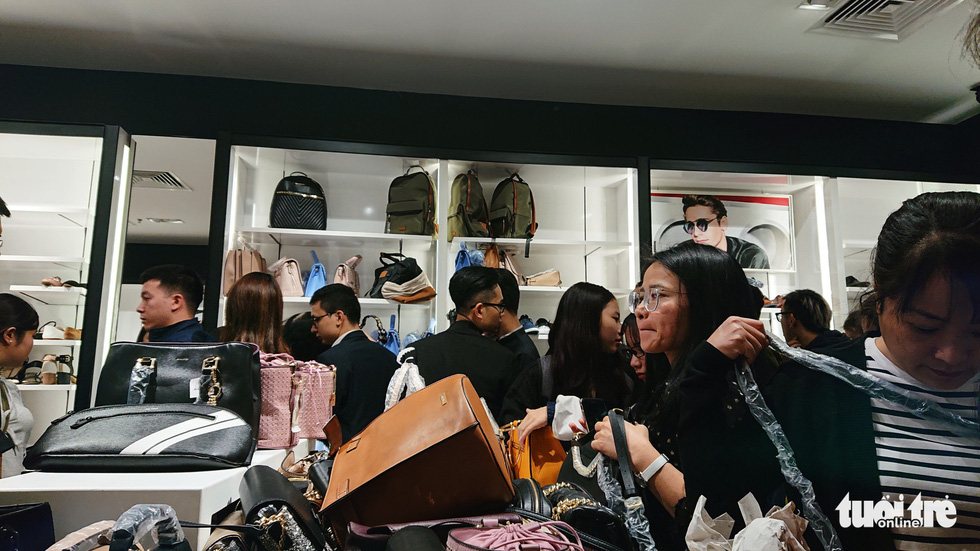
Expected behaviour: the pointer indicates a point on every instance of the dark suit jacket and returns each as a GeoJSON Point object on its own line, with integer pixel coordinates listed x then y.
{"type": "Point", "coordinates": [521, 345]}
{"type": "Point", "coordinates": [364, 368]}
{"type": "Point", "coordinates": [463, 349]}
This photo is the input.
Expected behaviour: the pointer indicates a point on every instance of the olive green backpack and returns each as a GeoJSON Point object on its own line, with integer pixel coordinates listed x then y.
{"type": "Point", "coordinates": [512, 209]}
{"type": "Point", "coordinates": [468, 212]}
{"type": "Point", "coordinates": [411, 204]}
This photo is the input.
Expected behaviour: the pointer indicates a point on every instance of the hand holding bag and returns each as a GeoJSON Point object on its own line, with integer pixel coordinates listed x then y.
{"type": "Point", "coordinates": [539, 458]}
{"type": "Point", "coordinates": [144, 438]}
{"type": "Point", "coordinates": [226, 374]}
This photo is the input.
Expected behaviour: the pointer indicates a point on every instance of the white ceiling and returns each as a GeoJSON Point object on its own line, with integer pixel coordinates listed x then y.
{"type": "Point", "coordinates": [745, 55]}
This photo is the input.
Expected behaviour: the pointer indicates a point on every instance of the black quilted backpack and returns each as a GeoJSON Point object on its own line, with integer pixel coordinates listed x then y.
{"type": "Point", "coordinates": [298, 203]}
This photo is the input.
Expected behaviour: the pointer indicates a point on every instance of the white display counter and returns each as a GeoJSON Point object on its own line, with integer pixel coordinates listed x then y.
{"type": "Point", "coordinates": [79, 499]}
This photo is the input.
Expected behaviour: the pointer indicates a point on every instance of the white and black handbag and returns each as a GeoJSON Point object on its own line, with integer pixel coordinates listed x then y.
{"type": "Point", "coordinates": [144, 438]}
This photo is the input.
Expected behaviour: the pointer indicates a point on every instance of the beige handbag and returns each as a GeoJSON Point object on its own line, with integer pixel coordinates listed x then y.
{"type": "Point", "coordinates": [495, 257]}
{"type": "Point", "coordinates": [287, 274]}
{"type": "Point", "coordinates": [240, 262]}
{"type": "Point", "coordinates": [547, 278]}
{"type": "Point", "coordinates": [346, 274]}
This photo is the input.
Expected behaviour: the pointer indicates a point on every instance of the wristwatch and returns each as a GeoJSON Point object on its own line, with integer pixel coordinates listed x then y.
{"type": "Point", "coordinates": [652, 469]}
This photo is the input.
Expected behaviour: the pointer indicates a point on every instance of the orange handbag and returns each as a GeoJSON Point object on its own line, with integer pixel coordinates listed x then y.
{"type": "Point", "coordinates": [539, 458]}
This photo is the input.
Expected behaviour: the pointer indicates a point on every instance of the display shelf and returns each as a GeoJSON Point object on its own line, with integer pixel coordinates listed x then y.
{"type": "Point", "coordinates": [49, 388]}
{"type": "Point", "coordinates": [29, 261]}
{"type": "Point", "coordinates": [57, 342]}
{"type": "Point", "coordinates": [48, 215]}
{"type": "Point", "coordinates": [70, 296]}
{"type": "Point", "coordinates": [535, 289]}
{"type": "Point", "coordinates": [373, 303]}
{"type": "Point", "coordinates": [516, 247]}
{"type": "Point", "coordinates": [345, 239]}
{"type": "Point", "coordinates": [857, 289]}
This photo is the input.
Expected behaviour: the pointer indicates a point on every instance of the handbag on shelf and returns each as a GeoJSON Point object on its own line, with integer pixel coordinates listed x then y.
{"type": "Point", "coordinates": [392, 341]}
{"type": "Point", "coordinates": [318, 277]}
{"type": "Point", "coordinates": [298, 203]}
{"type": "Point", "coordinates": [495, 257]}
{"type": "Point", "coordinates": [547, 278]}
{"type": "Point", "coordinates": [26, 527]}
{"type": "Point", "coordinates": [297, 400]}
{"type": "Point", "coordinates": [395, 268]}
{"type": "Point", "coordinates": [240, 262]}
{"type": "Point", "coordinates": [287, 273]}
{"type": "Point", "coordinates": [446, 461]}
{"type": "Point", "coordinates": [417, 289]}
{"type": "Point", "coordinates": [346, 273]}
{"type": "Point", "coordinates": [144, 438]}
{"type": "Point", "coordinates": [223, 374]}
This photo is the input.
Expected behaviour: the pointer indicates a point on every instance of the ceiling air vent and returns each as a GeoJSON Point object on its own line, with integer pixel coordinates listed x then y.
{"type": "Point", "coordinates": [881, 19]}
{"type": "Point", "coordinates": [154, 179]}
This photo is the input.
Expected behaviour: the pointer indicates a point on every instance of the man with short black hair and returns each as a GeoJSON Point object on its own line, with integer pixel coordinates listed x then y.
{"type": "Point", "coordinates": [168, 301]}
{"type": "Point", "coordinates": [706, 220]}
{"type": "Point", "coordinates": [363, 367]}
{"type": "Point", "coordinates": [468, 345]}
{"type": "Point", "coordinates": [805, 318]}
{"type": "Point", "coordinates": [512, 335]}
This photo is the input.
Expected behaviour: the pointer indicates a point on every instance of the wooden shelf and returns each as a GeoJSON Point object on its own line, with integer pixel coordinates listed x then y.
{"type": "Point", "coordinates": [70, 296]}
{"type": "Point", "coordinates": [515, 247]}
{"type": "Point", "coordinates": [346, 239]}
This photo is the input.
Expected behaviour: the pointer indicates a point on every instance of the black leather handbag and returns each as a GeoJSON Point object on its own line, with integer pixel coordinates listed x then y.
{"type": "Point", "coordinates": [396, 268]}
{"type": "Point", "coordinates": [265, 493]}
{"type": "Point", "coordinates": [27, 527]}
{"type": "Point", "coordinates": [298, 203]}
{"type": "Point", "coordinates": [221, 374]}
{"type": "Point", "coordinates": [144, 438]}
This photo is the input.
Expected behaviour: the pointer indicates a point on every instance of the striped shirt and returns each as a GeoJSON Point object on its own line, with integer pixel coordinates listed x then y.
{"type": "Point", "coordinates": [916, 456]}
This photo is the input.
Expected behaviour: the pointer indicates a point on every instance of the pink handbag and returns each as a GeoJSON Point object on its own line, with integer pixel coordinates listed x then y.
{"type": "Point", "coordinates": [297, 400]}
{"type": "Point", "coordinates": [541, 536]}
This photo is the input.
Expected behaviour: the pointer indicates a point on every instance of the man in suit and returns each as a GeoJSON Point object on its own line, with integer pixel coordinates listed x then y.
{"type": "Point", "coordinates": [364, 367]}
{"type": "Point", "coordinates": [168, 300]}
{"type": "Point", "coordinates": [468, 345]}
{"type": "Point", "coordinates": [805, 319]}
{"type": "Point", "coordinates": [512, 335]}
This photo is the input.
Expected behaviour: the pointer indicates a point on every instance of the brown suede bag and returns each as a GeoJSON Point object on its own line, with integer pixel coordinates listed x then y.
{"type": "Point", "coordinates": [432, 455]}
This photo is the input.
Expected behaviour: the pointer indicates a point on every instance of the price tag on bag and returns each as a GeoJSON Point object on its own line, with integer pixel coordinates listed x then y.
{"type": "Point", "coordinates": [195, 388]}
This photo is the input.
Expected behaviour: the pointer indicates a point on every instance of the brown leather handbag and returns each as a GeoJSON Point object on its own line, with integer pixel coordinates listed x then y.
{"type": "Point", "coordinates": [432, 455]}
{"type": "Point", "coordinates": [540, 457]}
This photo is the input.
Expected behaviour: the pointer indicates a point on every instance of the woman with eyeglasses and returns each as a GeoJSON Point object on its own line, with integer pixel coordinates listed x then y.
{"type": "Point", "coordinates": [857, 448]}
{"type": "Point", "coordinates": [18, 323]}
{"type": "Point", "coordinates": [583, 361]}
{"type": "Point", "coordinates": [688, 292]}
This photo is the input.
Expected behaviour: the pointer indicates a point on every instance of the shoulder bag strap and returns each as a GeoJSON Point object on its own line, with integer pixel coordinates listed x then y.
{"type": "Point", "coordinates": [6, 407]}
{"type": "Point", "coordinates": [618, 426]}
{"type": "Point", "coordinates": [547, 377]}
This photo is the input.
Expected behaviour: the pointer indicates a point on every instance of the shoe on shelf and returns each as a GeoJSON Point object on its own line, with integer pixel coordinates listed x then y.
{"type": "Point", "coordinates": [544, 327]}
{"type": "Point", "coordinates": [73, 334]}
{"type": "Point", "coordinates": [852, 281]}
{"type": "Point", "coordinates": [49, 369]}
{"type": "Point", "coordinates": [53, 281]}
{"type": "Point", "coordinates": [49, 331]}
{"type": "Point", "coordinates": [527, 324]}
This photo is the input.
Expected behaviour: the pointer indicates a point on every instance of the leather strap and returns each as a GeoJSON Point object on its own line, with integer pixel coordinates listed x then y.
{"type": "Point", "coordinates": [622, 451]}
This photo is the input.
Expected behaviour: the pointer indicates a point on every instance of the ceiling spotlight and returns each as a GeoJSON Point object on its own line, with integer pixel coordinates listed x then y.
{"type": "Point", "coordinates": [161, 220]}
{"type": "Point", "coordinates": [821, 5]}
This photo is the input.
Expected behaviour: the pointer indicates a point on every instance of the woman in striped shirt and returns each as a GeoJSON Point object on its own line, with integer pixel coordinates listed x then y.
{"type": "Point", "coordinates": [855, 449]}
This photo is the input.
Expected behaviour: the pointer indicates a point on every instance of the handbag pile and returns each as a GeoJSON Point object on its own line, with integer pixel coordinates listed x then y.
{"type": "Point", "coordinates": [297, 400]}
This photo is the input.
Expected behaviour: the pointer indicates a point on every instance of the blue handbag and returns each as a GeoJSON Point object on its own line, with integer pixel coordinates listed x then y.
{"type": "Point", "coordinates": [318, 277]}
{"type": "Point", "coordinates": [468, 257]}
{"type": "Point", "coordinates": [393, 342]}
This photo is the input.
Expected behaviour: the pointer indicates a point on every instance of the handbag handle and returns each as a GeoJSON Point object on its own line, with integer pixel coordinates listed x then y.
{"type": "Point", "coordinates": [316, 260]}
{"type": "Point", "coordinates": [382, 334]}
{"type": "Point", "coordinates": [618, 426]}
{"type": "Point", "coordinates": [393, 257]}
{"type": "Point", "coordinates": [418, 167]}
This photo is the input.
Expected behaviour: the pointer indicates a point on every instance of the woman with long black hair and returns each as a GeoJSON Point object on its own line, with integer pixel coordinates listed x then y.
{"type": "Point", "coordinates": [583, 360]}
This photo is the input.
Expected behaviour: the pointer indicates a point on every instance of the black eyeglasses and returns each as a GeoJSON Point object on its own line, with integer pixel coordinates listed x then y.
{"type": "Point", "coordinates": [498, 305]}
{"type": "Point", "coordinates": [700, 223]}
{"type": "Point", "coordinates": [316, 319]}
{"type": "Point", "coordinates": [779, 315]}
{"type": "Point", "coordinates": [634, 352]}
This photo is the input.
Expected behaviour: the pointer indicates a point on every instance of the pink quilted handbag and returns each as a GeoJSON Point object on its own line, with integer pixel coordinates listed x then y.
{"type": "Point", "coordinates": [297, 400]}
{"type": "Point", "coordinates": [315, 385]}
{"type": "Point", "coordinates": [541, 536]}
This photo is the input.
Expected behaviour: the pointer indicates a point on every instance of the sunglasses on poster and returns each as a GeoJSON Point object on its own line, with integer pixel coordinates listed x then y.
{"type": "Point", "coordinates": [701, 224]}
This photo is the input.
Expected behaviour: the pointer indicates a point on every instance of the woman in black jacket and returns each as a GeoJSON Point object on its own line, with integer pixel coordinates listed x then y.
{"type": "Point", "coordinates": [856, 449]}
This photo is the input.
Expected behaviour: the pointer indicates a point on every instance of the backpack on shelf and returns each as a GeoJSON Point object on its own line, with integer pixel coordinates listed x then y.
{"type": "Point", "coordinates": [411, 202]}
{"type": "Point", "coordinates": [469, 215]}
{"type": "Point", "coordinates": [512, 209]}
{"type": "Point", "coordinates": [298, 203]}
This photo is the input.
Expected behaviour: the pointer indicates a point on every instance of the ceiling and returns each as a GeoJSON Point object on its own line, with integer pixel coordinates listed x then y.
{"type": "Point", "coordinates": [743, 55]}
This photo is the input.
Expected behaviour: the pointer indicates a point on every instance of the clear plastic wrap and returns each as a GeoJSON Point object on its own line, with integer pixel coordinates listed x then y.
{"type": "Point", "coordinates": [631, 510]}
{"type": "Point", "coordinates": [406, 379]}
{"type": "Point", "coordinates": [158, 521]}
{"type": "Point", "coordinates": [787, 462]}
{"type": "Point", "coordinates": [139, 380]}
{"type": "Point", "coordinates": [877, 388]}
{"type": "Point", "coordinates": [288, 530]}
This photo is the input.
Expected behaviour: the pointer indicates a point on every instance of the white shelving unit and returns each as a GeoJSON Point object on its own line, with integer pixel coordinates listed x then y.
{"type": "Point", "coordinates": [586, 215]}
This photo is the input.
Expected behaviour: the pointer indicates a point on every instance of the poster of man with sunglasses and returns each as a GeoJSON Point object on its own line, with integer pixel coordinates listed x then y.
{"type": "Point", "coordinates": [757, 230]}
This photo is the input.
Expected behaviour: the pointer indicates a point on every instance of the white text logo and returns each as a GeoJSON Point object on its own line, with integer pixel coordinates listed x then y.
{"type": "Point", "coordinates": [888, 514]}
